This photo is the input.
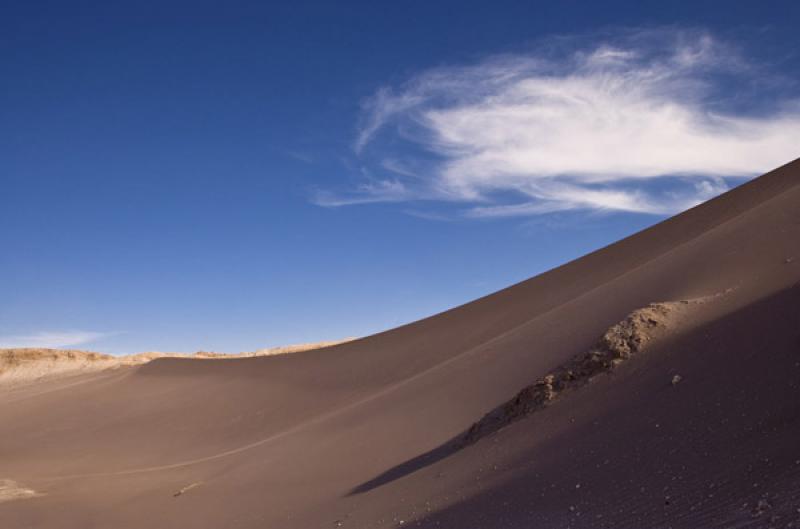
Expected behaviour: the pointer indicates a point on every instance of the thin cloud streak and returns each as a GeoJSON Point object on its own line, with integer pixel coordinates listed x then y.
{"type": "Point", "coordinates": [596, 126]}
{"type": "Point", "coordinates": [50, 340]}
{"type": "Point", "coordinates": [367, 193]}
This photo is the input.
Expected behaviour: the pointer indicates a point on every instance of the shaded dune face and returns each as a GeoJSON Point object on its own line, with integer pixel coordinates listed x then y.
{"type": "Point", "coordinates": [697, 426]}
{"type": "Point", "coordinates": [716, 449]}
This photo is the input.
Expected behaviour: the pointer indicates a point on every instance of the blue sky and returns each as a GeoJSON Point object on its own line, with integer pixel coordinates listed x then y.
{"type": "Point", "coordinates": [230, 176]}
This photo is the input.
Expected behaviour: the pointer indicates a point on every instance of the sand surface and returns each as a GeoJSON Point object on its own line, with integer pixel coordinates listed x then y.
{"type": "Point", "coordinates": [654, 383]}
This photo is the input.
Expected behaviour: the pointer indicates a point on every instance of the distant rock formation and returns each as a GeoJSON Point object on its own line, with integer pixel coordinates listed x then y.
{"type": "Point", "coordinates": [25, 365]}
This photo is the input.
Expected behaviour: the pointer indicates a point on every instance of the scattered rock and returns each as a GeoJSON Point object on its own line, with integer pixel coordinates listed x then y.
{"type": "Point", "coordinates": [187, 488]}
{"type": "Point", "coordinates": [760, 507]}
{"type": "Point", "coordinates": [676, 380]}
{"type": "Point", "coordinates": [11, 490]}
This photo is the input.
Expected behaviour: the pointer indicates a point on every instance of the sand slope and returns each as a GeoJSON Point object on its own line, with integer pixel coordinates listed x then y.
{"type": "Point", "coordinates": [697, 427]}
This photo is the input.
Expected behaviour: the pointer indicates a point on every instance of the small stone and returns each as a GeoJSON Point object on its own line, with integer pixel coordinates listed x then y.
{"type": "Point", "coordinates": [676, 380]}
{"type": "Point", "coordinates": [761, 506]}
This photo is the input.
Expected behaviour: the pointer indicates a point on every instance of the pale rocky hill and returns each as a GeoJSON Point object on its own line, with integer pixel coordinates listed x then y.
{"type": "Point", "coordinates": [20, 366]}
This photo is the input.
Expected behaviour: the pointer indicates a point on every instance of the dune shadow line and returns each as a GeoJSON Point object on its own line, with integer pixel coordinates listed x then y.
{"type": "Point", "coordinates": [408, 467]}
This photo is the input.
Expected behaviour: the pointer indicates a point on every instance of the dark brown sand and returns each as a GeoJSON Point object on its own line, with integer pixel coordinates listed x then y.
{"type": "Point", "coordinates": [697, 426]}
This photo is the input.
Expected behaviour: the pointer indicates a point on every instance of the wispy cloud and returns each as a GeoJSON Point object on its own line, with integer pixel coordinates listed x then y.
{"type": "Point", "coordinates": [643, 121]}
{"type": "Point", "coordinates": [47, 340]}
{"type": "Point", "coordinates": [367, 192]}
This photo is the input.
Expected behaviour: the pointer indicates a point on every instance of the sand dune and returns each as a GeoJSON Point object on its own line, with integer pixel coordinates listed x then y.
{"type": "Point", "coordinates": [653, 383]}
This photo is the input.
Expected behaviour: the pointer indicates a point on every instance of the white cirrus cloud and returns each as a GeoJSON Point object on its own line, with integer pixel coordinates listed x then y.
{"type": "Point", "coordinates": [47, 339]}
{"type": "Point", "coordinates": [367, 192]}
{"type": "Point", "coordinates": [642, 121]}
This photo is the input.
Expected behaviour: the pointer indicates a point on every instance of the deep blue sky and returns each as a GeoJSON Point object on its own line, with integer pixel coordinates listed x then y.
{"type": "Point", "coordinates": [159, 162]}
